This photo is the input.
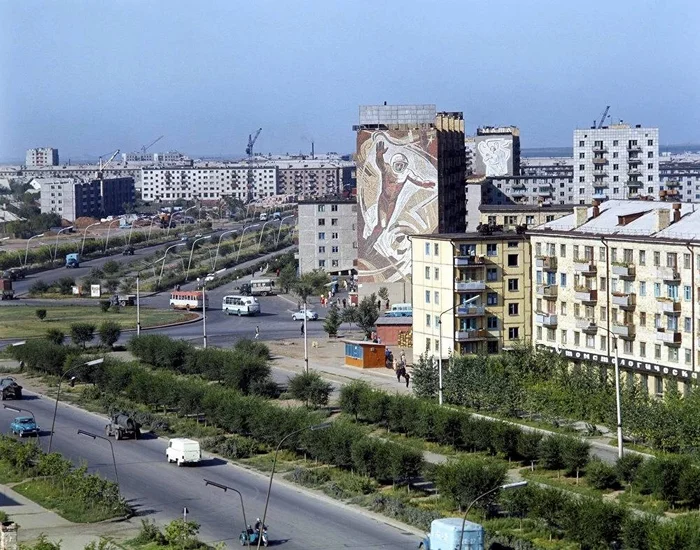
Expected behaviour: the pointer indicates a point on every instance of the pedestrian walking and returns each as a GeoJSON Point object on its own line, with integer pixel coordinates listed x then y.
{"type": "Point", "coordinates": [379, 305]}
{"type": "Point", "coordinates": [407, 377]}
{"type": "Point", "coordinates": [398, 374]}
{"type": "Point", "coordinates": [257, 331]}
{"type": "Point", "coordinates": [403, 358]}
{"type": "Point", "coordinates": [302, 328]}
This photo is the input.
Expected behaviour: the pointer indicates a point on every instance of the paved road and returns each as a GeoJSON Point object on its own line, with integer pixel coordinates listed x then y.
{"type": "Point", "coordinates": [160, 490]}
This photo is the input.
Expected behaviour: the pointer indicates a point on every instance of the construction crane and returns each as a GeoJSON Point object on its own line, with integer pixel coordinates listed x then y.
{"type": "Point", "coordinates": [251, 141]}
{"type": "Point", "coordinates": [602, 119]}
{"type": "Point", "coordinates": [252, 138]}
{"type": "Point", "coordinates": [146, 147]}
{"type": "Point", "coordinates": [100, 177]}
{"type": "Point", "coordinates": [104, 165]}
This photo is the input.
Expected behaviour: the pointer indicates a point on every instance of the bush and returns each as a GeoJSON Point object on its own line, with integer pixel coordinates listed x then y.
{"type": "Point", "coordinates": [661, 477]}
{"type": "Point", "coordinates": [310, 388]}
{"type": "Point", "coordinates": [149, 532]}
{"type": "Point", "coordinates": [39, 287]}
{"type": "Point", "coordinates": [550, 452]}
{"type": "Point", "coordinates": [41, 355]}
{"type": "Point", "coordinates": [109, 332]}
{"type": "Point", "coordinates": [601, 475]}
{"type": "Point", "coordinates": [627, 467]}
{"type": "Point", "coordinates": [65, 285]}
{"type": "Point", "coordinates": [104, 305]}
{"type": "Point", "coordinates": [465, 480]}
{"type": "Point", "coordinates": [41, 314]}
{"type": "Point", "coordinates": [82, 333]}
{"type": "Point", "coordinates": [55, 336]}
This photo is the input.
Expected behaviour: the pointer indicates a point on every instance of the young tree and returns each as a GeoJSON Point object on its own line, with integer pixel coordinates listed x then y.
{"type": "Point", "coordinates": [55, 335]}
{"type": "Point", "coordinates": [313, 282]}
{"type": "Point", "coordinates": [425, 377]}
{"type": "Point", "coordinates": [287, 278]}
{"type": "Point", "coordinates": [65, 285]}
{"type": "Point", "coordinates": [383, 293]}
{"type": "Point", "coordinates": [127, 285]}
{"type": "Point", "coordinates": [332, 322]}
{"type": "Point", "coordinates": [310, 388]}
{"type": "Point", "coordinates": [349, 315]}
{"type": "Point", "coordinates": [41, 314]}
{"type": "Point", "coordinates": [109, 332]}
{"type": "Point", "coordinates": [367, 314]}
{"type": "Point", "coordinates": [110, 268]}
{"type": "Point", "coordinates": [575, 455]}
{"type": "Point", "coordinates": [82, 333]}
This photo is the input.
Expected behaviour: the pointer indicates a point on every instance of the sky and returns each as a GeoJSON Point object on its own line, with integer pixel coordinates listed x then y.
{"type": "Point", "coordinates": [92, 76]}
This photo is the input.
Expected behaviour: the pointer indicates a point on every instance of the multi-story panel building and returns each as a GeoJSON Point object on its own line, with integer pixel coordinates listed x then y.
{"type": "Point", "coordinates": [625, 272]}
{"type": "Point", "coordinates": [209, 183]}
{"type": "Point", "coordinates": [311, 178]}
{"type": "Point", "coordinates": [327, 235]}
{"type": "Point", "coordinates": [616, 162]}
{"type": "Point", "coordinates": [680, 178]}
{"type": "Point", "coordinates": [474, 289]}
{"type": "Point", "coordinates": [410, 180]}
{"type": "Point", "coordinates": [512, 217]}
{"type": "Point", "coordinates": [168, 157]}
{"type": "Point", "coordinates": [71, 198]}
{"type": "Point", "coordinates": [41, 156]}
{"type": "Point", "coordinates": [497, 151]}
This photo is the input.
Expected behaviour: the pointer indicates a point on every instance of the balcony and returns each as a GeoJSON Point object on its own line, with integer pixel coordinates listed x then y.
{"type": "Point", "coordinates": [624, 301]}
{"type": "Point", "coordinates": [634, 172]}
{"type": "Point", "coordinates": [634, 149]}
{"type": "Point", "coordinates": [548, 263]}
{"type": "Point", "coordinates": [623, 330]}
{"type": "Point", "coordinates": [545, 191]}
{"type": "Point", "coordinates": [470, 285]}
{"type": "Point", "coordinates": [670, 274]}
{"type": "Point", "coordinates": [519, 185]}
{"type": "Point", "coordinates": [669, 337]}
{"type": "Point", "coordinates": [600, 196]}
{"type": "Point", "coordinates": [600, 174]}
{"type": "Point", "coordinates": [548, 292]}
{"type": "Point", "coordinates": [470, 334]}
{"type": "Point", "coordinates": [465, 261]}
{"type": "Point", "coordinates": [673, 184]}
{"type": "Point", "coordinates": [520, 192]}
{"type": "Point", "coordinates": [600, 160]}
{"type": "Point", "coordinates": [634, 183]}
{"type": "Point", "coordinates": [470, 311]}
{"type": "Point", "coordinates": [669, 306]}
{"type": "Point", "coordinates": [584, 266]}
{"type": "Point", "coordinates": [546, 319]}
{"type": "Point", "coordinates": [587, 295]}
{"type": "Point", "coordinates": [600, 149]}
{"type": "Point", "coordinates": [635, 160]}
{"type": "Point", "coordinates": [623, 270]}
{"type": "Point", "coordinates": [588, 326]}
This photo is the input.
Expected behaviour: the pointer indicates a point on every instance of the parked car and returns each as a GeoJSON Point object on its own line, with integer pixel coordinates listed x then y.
{"type": "Point", "coordinates": [24, 425]}
{"type": "Point", "coordinates": [310, 315]}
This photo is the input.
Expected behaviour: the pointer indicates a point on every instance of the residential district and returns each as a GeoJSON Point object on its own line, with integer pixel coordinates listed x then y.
{"type": "Point", "coordinates": [428, 255]}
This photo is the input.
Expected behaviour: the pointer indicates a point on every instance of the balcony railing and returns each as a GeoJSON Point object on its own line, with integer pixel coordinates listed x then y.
{"type": "Point", "coordinates": [548, 263]}
{"type": "Point", "coordinates": [624, 270]}
{"type": "Point", "coordinates": [634, 183]}
{"type": "Point", "coordinates": [623, 330]}
{"type": "Point", "coordinates": [634, 172]}
{"type": "Point", "coordinates": [548, 292]}
{"type": "Point", "coordinates": [470, 334]}
{"type": "Point", "coordinates": [634, 148]}
{"type": "Point", "coordinates": [635, 160]}
{"type": "Point", "coordinates": [546, 319]}
{"type": "Point", "coordinates": [586, 325]}
{"type": "Point", "coordinates": [624, 301]}
{"type": "Point", "coordinates": [670, 274]}
{"type": "Point", "coordinates": [586, 295]}
{"type": "Point", "coordinates": [668, 336]}
{"type": "Point", "coordinates": [584, 266]}
{"type": "Point", "coordinates": [600, 149]}
{"type": "Point", "coordinates": [600, 160]}
{"type": "Point", "coordinates": [672, 184]}
{"type": "Point", "coordinates": [470, 311]}
{"type": "Point", "coordinates": [669, 306]}
{"type": "Point", "coordinates": [464, 261]}
{"type": "Point", "coordinates": [473, 284]}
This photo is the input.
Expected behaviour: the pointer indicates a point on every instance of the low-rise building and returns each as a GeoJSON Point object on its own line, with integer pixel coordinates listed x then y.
{"type": "Point", "coordinates": [522, 215]}
{"type": "Point", "coordinates": [473, 289]}
{"type": "Point", "coordinates": [328, 235]}
{"type": "Point", "coordinates": [625, 272]}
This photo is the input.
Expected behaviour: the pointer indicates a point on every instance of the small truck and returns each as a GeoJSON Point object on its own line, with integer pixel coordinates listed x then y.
{"type": "Point", "coordinates": [122, 426]}
{"type": "Point", "coordinates": [73, 260]}
{"type": "Point", "coordinates": [123, 300]}
{"type": "Point", "coordinates": [7, 291]}
{"type": "Point", "coordinates": [24, 425]}
{"type": "Point", "coordinates": [10, 389]}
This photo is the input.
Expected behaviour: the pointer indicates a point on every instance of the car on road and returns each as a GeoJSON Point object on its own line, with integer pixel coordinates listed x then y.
{"type": "Point", "coordinates": [210, 277]}
{"type": "Point", "coordinates": [24, 425]}
{"type": "Point", "coordinates": [183, 451]}
{"type": "Point", "coordinates": [299, 315]}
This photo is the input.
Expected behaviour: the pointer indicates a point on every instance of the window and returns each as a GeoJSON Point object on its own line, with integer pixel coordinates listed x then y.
{"type": "Point", "coordinates": [437, 273]}
{"type": "Point", "coordinates": [581, 143]}
{"type": "Point", "coordinates": [513, 285]}
{"type": "Point", "coordinates": [601, 254]}
{"type": "Point", "coordinates": [562, 279]}
{"type": "Point", "coordinates": [562, 250]}
{"type": "Point", "coordinates": [492, 299]}
{"type": "Point", "coordinates": [582, 155]}
{"type": "Point", "coordinates": [603, 343]}
{"type": "Point", "coordinates": [686, 261]}
{"type": "Point", "coordinates": [334, 221]}
{"type": "Point", "coordinates": [492, 323]}
{"type": "Point", "coordinates": [427, 273]}
{"type": "Point", "coordinates": [491, 274]}
{"type": "Point", "coordinates": [436, 297]}
{"type": "Point", "coordinates": [577, 338]}
{"type": "Point", "coordinates": [673, 355]}
{"type": "Point", "coordinates": [436, 249]}
{"type": "Point", "coordinates": [321, 208]}
{"type": "Point", "coordinates": [657, 290]}
{"type": "Point", "coordinates": [642, 319]}
{"type": "Point", "coordinates": [687, 324]}
{"type": "Point", "coordinates": [491, 249]}
{"type": "Point", "coordinates": [427, 249]}
{"type": "Point", "coordinates": [321, 221]}
{"type": "Point", "coordinates": [671, 259]}
{"type": "Point", "coordinates": [334, 249]}
{"type": "Point", "coordinates": [563, 308]}
{"type": "Point", "coordinates": [657, 351]}
{"type": "Point", "coordinates": [513, 308]}
{"type": "Point", "coordinates": [563, 336]}
{"type": "Point", "coordinates": [512, 260]}
{"type": "Point", "coordinates": [437, 325]}
{"type": "Point", "coordinates": [427, 344]}
{"type": "Point", "coordinates": [513, 333]}
{"type": "Point", "coordinates": [322, 263]}
{"type": "Point", "coordinates": [539, 333]}
{"type": "Point", "coordinates": [657, 320]}
{"type": "Point", "coordinates": [427, 320]}
{"type": "Point", "coordinates": [334, 207]}
{"type": "Point", "coordinates": [686, 292]}
{"type": "Point", "coordinates": [321, 236]}
{"type": "Point", "coordinates": [688, 356]}
{"type": "Point", "coordinates": [529, 220]}
{"type": "Point", "coordinates": [427, 296]}
{"type": "Point", "coordinates": [642, 349]}
{"type": "Point", "coordinates": [321, 249]}
{"type": "Point", "coordinates": [334, 235]}
{"type": "Point", "coordinates": [603, 284]}
{"type": "Point", "coordinates": [657, 259]}
{"type": "Point", "coordinates": [642, 288]}
{"type": "Point", "coordinates": [334, 263]}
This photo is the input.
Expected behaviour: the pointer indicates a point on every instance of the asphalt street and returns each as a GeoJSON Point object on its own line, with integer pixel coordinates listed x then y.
{"type": "Point", "coordinates": [160, 490]}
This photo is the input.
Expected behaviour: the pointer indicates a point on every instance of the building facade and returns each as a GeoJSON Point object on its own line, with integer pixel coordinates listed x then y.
{"type": "Point", "coordinates": [327, 236]}
{"type": "Point", "coordinates": [474, 289]}
{"type": "Point", "coordinates": [525, 216]}
{"type": "Point", "coordinates": [616, 162]}
{"type": "Point", "coordinates": [625, 272]}
{"type": "Point", "coordinates": [497, 151]}
{"type": "Point", "coordinates": [410, 180]}
{"type": "Point", "coordinates": [311, 178]}
{"type": "Point", "coordinates": [71, 198]}
{"type": "Point", "coordinates": [41, 156]}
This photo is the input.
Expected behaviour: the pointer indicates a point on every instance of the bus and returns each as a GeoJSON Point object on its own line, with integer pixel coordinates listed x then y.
{"type": "Point", "coordinates": [240, 305]}
{"type": "Point", "coordinates": [187, 299]}
{"type": "Point", "coordinates": [262, 287]}
{"type": "Point", "coordinates": [400, 310]}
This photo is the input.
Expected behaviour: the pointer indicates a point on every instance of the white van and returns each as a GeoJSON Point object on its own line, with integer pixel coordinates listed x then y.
{"type": "Point", "coordinates": [263, 216]}
{"type": "Point", "coordinates": [400, 310]}
{"type": "Point", "coordinates": [183, 451]}
{"type": "Point", "coordinates": [240, 305]}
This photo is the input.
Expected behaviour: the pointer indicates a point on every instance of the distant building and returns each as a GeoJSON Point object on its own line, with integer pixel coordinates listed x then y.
{"type": "Point", "coordinates": [155, 158]}
{"type": "Point", "coordinates": [71, 198]}
{"type": "Point", "coordinates": [41, 156]}
{"type": "Point", "coordinates": [314, 178]}
{"type": "Point", "coordinates": [327, 235]}
{"type": "Point", "coordinates": [497, 151]}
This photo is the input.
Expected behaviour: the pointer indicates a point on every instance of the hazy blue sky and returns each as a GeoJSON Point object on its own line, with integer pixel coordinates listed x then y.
{"type": "Point", "coordinates": [92, 76]}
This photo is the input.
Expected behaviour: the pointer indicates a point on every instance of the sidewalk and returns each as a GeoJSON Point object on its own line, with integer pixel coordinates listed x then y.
{"type": "Point", "coordinates": [33, 520]}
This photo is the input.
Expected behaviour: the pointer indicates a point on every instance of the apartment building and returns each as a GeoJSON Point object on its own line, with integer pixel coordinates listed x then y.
{"type": "Point", "coordinates": [41, 156]}
{"type": "Point", "coordinates": [622, 271]}
{"type": "Point", "coordinates": [544, 190]}
{"type": "Point", "coordinates": [510, 217]}
{"type": "Point", "coordinates": [311, 178]}
{"type": "Point", "coordinates": [497, 151]}
{"type": "Point", "coordinates": [71, 198]}
{"type": "Point", "coordinates": [616, 162]}
{"type": "Point", "coordinates": [327, 235]}
{"type": "Point", "coordinates": [477, 286]}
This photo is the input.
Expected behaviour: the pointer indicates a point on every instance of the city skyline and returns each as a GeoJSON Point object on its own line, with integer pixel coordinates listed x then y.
{"type": "Point", "coordinates": [206, 79]}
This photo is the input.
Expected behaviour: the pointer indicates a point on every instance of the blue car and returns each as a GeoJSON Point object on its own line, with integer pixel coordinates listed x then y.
{"type": "Point", "coordinates": [24, 425]}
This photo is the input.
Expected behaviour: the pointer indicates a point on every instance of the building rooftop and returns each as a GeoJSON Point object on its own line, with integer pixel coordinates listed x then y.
{"type": "Point", "coordinates": [526, 208]}
{"type": "Point", "coordinates": [329, 200]}
{"type": "Point", "coordinates": [471, 236]}
{"type": "Point", "coordinates": [401, 321]}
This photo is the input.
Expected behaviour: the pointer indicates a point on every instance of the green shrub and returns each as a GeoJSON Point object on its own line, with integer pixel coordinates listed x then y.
{"type": "Point", "coordinates": [55, 336]}
{"type": "Point", "coordinates": [40, 314]}
{"type": "Point", "coordinates": [601, 475]}
{"type": "Point", "coordinates": [628, 466]}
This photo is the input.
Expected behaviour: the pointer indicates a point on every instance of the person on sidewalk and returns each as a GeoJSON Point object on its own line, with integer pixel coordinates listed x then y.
{"type": "Point", "coordinates": [407, 377]}
{"type": "Point", "coordinates": [399, 372]}
{"type": "Point", "coordinates": [257, 331]}
{"type": "Point", "coordinates": [302, 328]}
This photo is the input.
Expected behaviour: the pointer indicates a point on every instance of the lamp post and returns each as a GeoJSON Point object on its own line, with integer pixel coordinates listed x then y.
{"type": "Point", "coordinates": [55, 252]}
{"type": "Point", "coordinates": [618, 397]}
{"type": "Point", "coordinates": [114, 460]}
{"type": "Point", "coordinates": [262, 231]}
{"type": "Point", "coordinates": [226, 488]}
{"type": "Point", "coordinates": [82, 247]}
{"type": "Point", "coordinates": [109, 228]}
{"type": "Point", "coordinates": [216, 256]}
{"type": "Point", "coordinates": [162, 267]}
{"type": "Point", "coordinates": [204, 313]}
{"type": "Point", "coordinates": [189, 263]}
{"type": "Point", "coordinates": [241, 243]}
{"type": "Point", "coordinates": [26, 250]}
{"type": "Point", "coordinates": [280, 228]}
{"type": "Point", "coordinates": [58, 394]}
{"type": "Point", "coordinates": [138, 295]}
{"type": "Point", "coordinates": [506, 487]}
{"type": "Point", "coordinates": [131, 228]}
{"type": "Point", "coordinates": [172, 216]}
{"type": "Point", "coordinates": [274, 463]}
{"type": "Point", "coordinates": [150, 228]}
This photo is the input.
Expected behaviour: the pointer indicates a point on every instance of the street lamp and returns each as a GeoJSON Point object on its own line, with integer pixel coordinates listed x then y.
{"type": "Point", "coordinates": [58, 393]}
{"type": "Point", "coordinates": [162, 267]}
{"type": "Point", "coordinates": [262, 231]}
{"type": "Point", "coordinates": [55, 252]}
{"type": "Point", "coordinates": [109, 228]}
{"type": "Point", "coordinates": [216, 256]}
{"type": "Point", "coordinates": [618, 398]}
{"type": "Point", "coordinates": [241, 243]}
{"type": "Point", "coordinates": [114, 460]}
{"type": "Point", "coordinates": [506, 487]}
{"type": "Point", "coordinates": [189, 263]}
{"type": "Point", "coordinates": [150, 228]}
{"type": "Point", "coordinates": [279, 231]}
{"type": "Point", "coordinates": [82, 247]}
{"type": "Point", "coordinates": [227, 488]}
{"type": "Point", "coordinates": [204, 313]}
{"type": "Point", "coordinates": [26, 250]}
{"type": "Point", "coordinates": [138, 298]}
{"type": "Point", "coordinates": [274, 463]}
